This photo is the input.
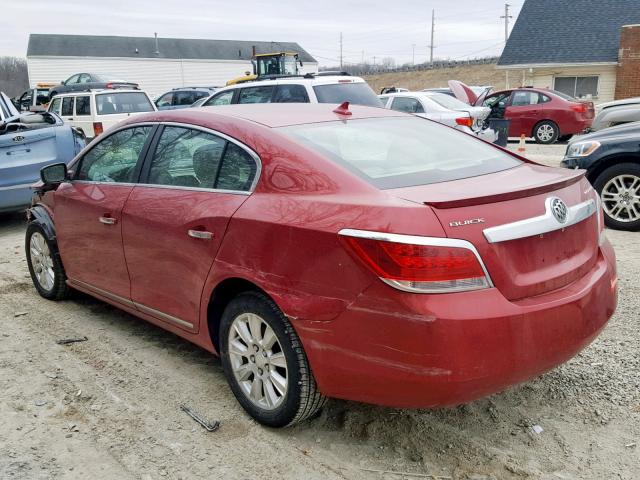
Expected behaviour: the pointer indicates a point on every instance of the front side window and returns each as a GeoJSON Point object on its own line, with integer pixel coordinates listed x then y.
{"type": "Point", "coordinates": [186, 158]}
{"type": "Point", "coordinates": [72, 80]}
{"type": "Point", "coordinates": [84, 78]}
{"type": "Point", "coordinates": [165, 100]}
{"type": "Point", "coordinates": [290, 93]}
{"type": "Point", "coordinates": [67, 106]}
{"type": "Point", "coordinates": [83, 106]}
{"type": "Point", "coordinates": [356, 93]}
{"type": "Point", "coordinates": [407, 104]}
{"type": "Point", "coordinates": [402, 151]}
{"type": "Point", "coordinates": [577, 87]}
{"type": "Point", "coordinates": [224, 98]}
{"type": "Point", "coordinates": [523, 98]}
{"type": "Point", "coordinates": [55, 105]}
{"type": "Point", "coordinates": [184, 98]}
{"type": "Point", "coordinates": [256, 94]}
{"type": "Point", "coordinates": [115, 157]}
{"type": "Point", "coordinates": [122, 102]}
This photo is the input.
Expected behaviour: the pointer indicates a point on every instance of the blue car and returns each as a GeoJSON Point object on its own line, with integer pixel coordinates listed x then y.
{"type": "Point", "coordinates": [28, 142]}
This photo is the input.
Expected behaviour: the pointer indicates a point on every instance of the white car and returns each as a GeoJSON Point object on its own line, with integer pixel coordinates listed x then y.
{"type": "Point", "coordinates": [95, 111]}
{"type": "Point", "coordinates": [310, 88]}
{"type": "Point", "coordinates": [443, 109]}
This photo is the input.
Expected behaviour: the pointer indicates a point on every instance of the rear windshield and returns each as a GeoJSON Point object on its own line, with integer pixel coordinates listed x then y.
{"type": "Point", "coordinates": [355, 93]}
{"type": "Point", "coordinates": [563, 95]}
{"type": "Point", "coordinates": [447, 101]}
{"type": "Point", "coordinates": [402, 152]}
{"type": "Point", "coordinates": [122, 102]}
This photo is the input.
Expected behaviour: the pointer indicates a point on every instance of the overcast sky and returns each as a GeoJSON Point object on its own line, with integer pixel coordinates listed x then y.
{"type": "Point", "coordinates": [464, 28]}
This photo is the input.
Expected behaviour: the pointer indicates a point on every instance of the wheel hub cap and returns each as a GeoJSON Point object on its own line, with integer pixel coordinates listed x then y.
{"type": "Point", "coordinates": [258, 361]}
{"type": "Point", "coordinates": [621, 198]}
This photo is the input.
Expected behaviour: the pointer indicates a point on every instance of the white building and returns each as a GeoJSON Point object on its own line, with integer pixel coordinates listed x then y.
{"type": "Point", "coordinates": [156, 65]}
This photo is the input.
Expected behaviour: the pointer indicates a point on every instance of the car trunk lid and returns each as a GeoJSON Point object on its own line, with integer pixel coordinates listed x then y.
{"type": "Point", "coordinates": [533, 264]}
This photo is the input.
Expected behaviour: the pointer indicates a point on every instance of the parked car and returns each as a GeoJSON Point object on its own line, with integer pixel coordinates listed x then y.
{"type": "Point", "coordinates": [349, 252]}
{"type": "Point", "coordinates": [32, 99]}
{"type": "Point", "coordinates": [393, 89]}
{"type": "Point", "coordinates": [95, 111]}
{"type": "Point", "coordinates": [319, 88]}
{"type": "Point", "coordinates": [620, 112]}
{"type": "Point", "coordinates": [28, 142]}
{"type": "Point", "coordinates": [545, 115]}
{"type": "Point", "coordinates": [183, 97]}
{"type": "Point", "coordinates": [611, 158]}
{"type": "Point", "coordinates": [442, 109]}
{"type": "Point", "coordinates": [82, 82]}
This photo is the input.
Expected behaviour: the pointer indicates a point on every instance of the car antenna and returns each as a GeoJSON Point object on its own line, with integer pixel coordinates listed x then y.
{"type": "Point", "coordinates": [343, 109]}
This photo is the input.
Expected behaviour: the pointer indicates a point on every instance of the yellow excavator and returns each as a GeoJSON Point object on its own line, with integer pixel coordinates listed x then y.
{"type": "Point", "coordinates": [270, 65]}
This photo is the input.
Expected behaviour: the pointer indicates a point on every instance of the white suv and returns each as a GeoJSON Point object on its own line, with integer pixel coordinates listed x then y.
{"type": "Point", "coordinates": [95, 111]}
{"type": "Point", "coordinates": [310, 88]}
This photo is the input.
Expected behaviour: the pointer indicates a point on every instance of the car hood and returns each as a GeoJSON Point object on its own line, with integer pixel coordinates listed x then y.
{"type": "Point", "coordinates": [631, 129]}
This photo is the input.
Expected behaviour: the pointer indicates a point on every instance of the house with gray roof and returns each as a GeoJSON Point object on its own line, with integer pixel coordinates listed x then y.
{"type": "Point", "coordinates": [584, 48]}
{"type": "Point", "coordinates": [156, 64]}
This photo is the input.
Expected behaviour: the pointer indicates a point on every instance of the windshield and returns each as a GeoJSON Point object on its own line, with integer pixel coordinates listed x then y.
{"type": "Point", "coordinates": [122, 102]}
{"type": "Point", "coordinates": [447, 101]}
{"type": "Point", "coordinates": [354, 93]}
{"type": "Point", "coordinates": [402, 152]}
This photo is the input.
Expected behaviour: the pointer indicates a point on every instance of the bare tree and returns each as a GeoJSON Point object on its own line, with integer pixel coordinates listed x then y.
{"type": "Point", "coordinates": [388, 63]}
{"type": "Point", "coordinates": [14, 77]}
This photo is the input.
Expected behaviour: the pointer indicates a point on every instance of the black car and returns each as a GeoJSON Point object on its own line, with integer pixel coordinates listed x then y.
{"type": "Point", "coordinates": [87, 81]}
{"type": "Point", "coordinates": [612, 160]}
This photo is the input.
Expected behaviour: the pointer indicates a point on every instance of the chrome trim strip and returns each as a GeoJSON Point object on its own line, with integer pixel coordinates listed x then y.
{"type": "Point", "coordinates": [131, 304]}
{"type": "Point", "coordinates": [104, 293]}
{"type": "Point", "coordinates": [17, 187]}
{"type": "Point", "coordinates": [405, 288]}
{"type": "Point", "coordinates": [418, 240]}
{"type": "Point", "coordinates": [542, 224]}
{"type": "Point", "coordinates": [195, 189]}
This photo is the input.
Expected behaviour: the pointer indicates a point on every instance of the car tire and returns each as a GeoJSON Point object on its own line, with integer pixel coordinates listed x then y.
{"type": "Point", "coordinates": [546, 132]}
{"type": "Point", "coordinates": [616, 185]}
{"type": "Point", "coordinates": [265, 364]}
{"type": "Point", "coordinates": [45, 265]}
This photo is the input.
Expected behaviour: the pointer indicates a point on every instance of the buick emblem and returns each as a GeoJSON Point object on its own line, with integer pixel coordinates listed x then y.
{"type": "Point", "coordinates": [559, 210]}
{"type": "Point", "coordinates": [18, 138]}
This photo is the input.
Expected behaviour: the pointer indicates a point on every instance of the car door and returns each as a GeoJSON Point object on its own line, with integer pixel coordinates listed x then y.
{"type": "Point", "coordinates": [175, 219]}
{"type": "Point", "coordinates": [88, 212]}
{"type": "Point", "coordinates": [524, 111]}
{"type": "Point", "coordinates": [66, 109]}
{"type": "Point", "coordinates": [83, 115]}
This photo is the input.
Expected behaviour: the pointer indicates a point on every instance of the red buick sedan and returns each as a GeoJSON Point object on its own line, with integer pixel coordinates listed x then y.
{"type": "Point", "coordinates": [356, 253]}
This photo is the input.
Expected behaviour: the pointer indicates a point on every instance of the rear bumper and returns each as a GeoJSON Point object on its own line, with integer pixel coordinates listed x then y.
{"type": "Point", "coordinates": [406, 350]}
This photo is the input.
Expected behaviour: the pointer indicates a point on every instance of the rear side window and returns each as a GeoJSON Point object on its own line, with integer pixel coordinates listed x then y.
{"type": "Point", "coordinates": [291, 94]}
{"type": "Point", "coordinates": [355, 93]}
{"type": "Point", "coordinates": [186, 158]}
{"type": "Point", "coordinates": [114, 158]}
{"type": "Point", "coordinates": [407, 104]}
{"type": "Point", "coordinates": [83, 106]}
{"type": "Point", "coordinates": [184, 98]}
{"type": "Point", "coordinates": [237, 171]}
{"type": "Point", "coordinates": [256, 94]}
{"type": "Point", "coordinates": [67, 106]}
{"type": "Point", "coordinates": [122, 102]}
{"type": "Point", "coordinates": [402, 152]}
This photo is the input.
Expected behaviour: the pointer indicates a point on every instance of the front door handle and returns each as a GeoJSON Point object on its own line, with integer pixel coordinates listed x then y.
{"type": "Point", "coordinates": [107, 220]}
{"type": "Point", "coordinates": [200, 234]}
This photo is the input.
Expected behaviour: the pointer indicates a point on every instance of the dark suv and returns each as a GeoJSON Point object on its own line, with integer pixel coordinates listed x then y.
{"type": "Point", "coordinates": [183, 97]}
{"type": "Point", "coordinates": [612, 160]}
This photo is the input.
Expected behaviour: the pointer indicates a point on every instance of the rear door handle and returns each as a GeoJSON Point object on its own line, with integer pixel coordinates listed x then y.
{"type": "Point", "coordinates": [200, 234]}
{"type": "Point", "coordinates": [107, 220]}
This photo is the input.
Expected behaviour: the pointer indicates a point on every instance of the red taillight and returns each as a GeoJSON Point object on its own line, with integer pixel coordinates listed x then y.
{"type": "Point", "coordinates": [413, 264]}
{"type": "Point", "coordinates": [579, 107]}
{"type": "Point", "coordinates": [465, 121]}
{"type": "Point", "coordinates": [109, 85]}
{"type": "Point", "coordinates": [97, 128]}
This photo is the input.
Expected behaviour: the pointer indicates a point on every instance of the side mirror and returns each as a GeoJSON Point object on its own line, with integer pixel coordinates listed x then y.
{"type": "Point", "coordinates": [301, 63]}
{"type": "Point", "coordinates": [62, 82]}
{"type": "Point", "coordinates": [53, 174]}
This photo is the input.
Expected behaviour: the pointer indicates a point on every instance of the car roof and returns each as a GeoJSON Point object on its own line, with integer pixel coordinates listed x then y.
{"type": "Point", "coordinates": [97, 91]}
{"type": "Point", "coordinates": [297, 80]}
{"type": "Point", "coordinates": [271, 115]}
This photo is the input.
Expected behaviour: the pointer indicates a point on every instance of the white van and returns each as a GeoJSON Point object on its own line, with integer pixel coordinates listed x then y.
{"type": "Point", "coordinates": [95, 111]}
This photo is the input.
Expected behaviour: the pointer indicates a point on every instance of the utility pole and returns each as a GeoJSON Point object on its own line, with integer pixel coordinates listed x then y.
{"type": "Point", "coordinates": [413, 54]}
{"type": "Point", "coordinates": [340, 50]}
{"type": "Point", "coordinates": [506, 17]}
{"type": "Point", "coordinates": [433, 26]}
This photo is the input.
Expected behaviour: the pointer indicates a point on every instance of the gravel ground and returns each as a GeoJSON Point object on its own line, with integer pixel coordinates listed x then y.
{"type": "Point", "coordinates": [108, 408]}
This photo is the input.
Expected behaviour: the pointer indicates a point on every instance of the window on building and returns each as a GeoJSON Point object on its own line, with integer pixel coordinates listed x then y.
{"type": "Point", "coordinates": [577, 87]}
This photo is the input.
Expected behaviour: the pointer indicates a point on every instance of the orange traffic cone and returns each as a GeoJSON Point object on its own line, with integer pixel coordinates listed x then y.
{"type": "Point", "coordinates": [521, 146]}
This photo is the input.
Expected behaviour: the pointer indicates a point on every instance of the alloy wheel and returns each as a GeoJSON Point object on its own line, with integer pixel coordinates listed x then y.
{"type": "Point", "coordinates": [41, 261]}
{"type": "Point", "coordinates": [621, 198]}
{"type": "Point", "coordinates": [545, 132]}
{"type": "Point", "coordinates": [258, 361]}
